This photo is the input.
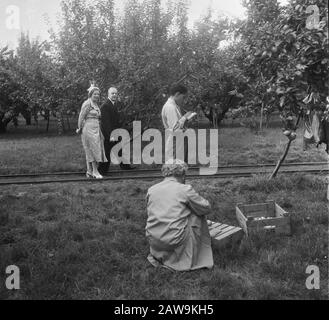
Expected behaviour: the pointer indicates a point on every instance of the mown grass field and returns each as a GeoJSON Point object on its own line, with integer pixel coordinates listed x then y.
{"type": "Point", "coordinates": [32, 150]}
{"type": "Point", "coordinates": [82, 241]}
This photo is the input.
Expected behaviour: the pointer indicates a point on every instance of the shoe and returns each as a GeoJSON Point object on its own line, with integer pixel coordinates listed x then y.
{"type": "Point", "coordinates": [127, 167]}
{"type": "Point", "coordinates": [89, 175]}
{"type": "Point", "coordinates": [155, 263]}
{"type": "Point", "coordinates": [98, 176]}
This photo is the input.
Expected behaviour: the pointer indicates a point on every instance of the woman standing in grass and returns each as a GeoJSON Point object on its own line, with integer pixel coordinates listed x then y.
{"type": "Point", "coordinates": [92, 138]}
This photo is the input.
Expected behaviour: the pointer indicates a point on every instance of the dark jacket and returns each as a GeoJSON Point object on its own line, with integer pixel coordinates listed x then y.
{"type": "Point", "coordinates": [324, 133]}
{"type": "Point", "coordinates": [111, 119]}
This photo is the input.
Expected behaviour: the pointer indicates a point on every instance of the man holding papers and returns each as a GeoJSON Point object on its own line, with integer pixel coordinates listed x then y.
{"type": "Point", "coordinates": [174, 123]}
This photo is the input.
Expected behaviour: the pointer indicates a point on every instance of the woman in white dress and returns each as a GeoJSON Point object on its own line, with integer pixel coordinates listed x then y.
{"type": "Point", "coordinates": [92, 138]}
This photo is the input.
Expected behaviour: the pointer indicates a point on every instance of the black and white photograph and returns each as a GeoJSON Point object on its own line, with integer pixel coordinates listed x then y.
{"type": "Point", "coordinates": [164, 154]}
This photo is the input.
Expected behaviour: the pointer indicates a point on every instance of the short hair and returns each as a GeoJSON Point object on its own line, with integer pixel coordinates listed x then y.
{"type": "Point", "coordinates": [174, 168]}
{"type": "Point", "coordinates": [112, 87]}
{"type": "Point", "coordinates": [178, 89]}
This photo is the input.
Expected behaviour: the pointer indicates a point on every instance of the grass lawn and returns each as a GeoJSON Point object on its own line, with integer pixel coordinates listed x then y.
{"type": "Point", "coordinates": [32, 150]}
{"type": "Point", "coordinates": [82, 241]}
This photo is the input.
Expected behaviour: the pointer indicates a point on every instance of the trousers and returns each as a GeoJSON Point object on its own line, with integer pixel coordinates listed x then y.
{"type": "Point", "coordinates": [103, 167]}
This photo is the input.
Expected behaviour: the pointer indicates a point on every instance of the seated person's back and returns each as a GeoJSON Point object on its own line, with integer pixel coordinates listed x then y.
{"type": "Point", "coordinates": [176, 227]}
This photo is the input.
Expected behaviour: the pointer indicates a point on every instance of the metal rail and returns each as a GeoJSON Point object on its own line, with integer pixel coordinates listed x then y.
{"type": "Point", "coordinates": [152, 174]}
{"type": "Point", "coordinates": [144, 170]}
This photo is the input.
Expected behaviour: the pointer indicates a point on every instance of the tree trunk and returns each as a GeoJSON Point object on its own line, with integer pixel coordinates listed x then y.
{"type": "Point", "coordinates": [278, 166]}
{"type": "Point", "coordinates": [60, 123]}
{"type": "Point", "coordinates": [47, 117]}
{"type": "Point", "coordinates": [261, 118]}
{"type": "Point", "coordinates": [27, 116]}
{"type": "Point", "coordinates": [48, 120]}
{"type": "Point", "coordinates": [2, 127]}
{"type": "Point", "coordinates": [68, 122]}
{"type": "Point", "coordinates": [36, 120]}
{"type": "Point", "coordinates": [267, 120]}
{"type": "Point", "coordinates": [227, 104]}
{"type": "Point", "coordinates": [215, 119]}
{"type": "Point", "coordinates": [5, 120]}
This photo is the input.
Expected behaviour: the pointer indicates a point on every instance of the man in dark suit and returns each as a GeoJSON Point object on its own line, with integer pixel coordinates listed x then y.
{"type": "Point", "coordinates": [111, 119]}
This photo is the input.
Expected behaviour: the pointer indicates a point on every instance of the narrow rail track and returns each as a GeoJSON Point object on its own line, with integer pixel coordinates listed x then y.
{"type": "Point", "coordinates": [155, 173]}
{"type": "Point", "coordinates": [157, 169]}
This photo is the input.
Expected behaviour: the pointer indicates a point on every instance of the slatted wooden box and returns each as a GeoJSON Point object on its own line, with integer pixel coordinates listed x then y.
{"type": "Point", "coordinates": [223, 235]}
{"type": "Point", "coordinates": [267, 216]}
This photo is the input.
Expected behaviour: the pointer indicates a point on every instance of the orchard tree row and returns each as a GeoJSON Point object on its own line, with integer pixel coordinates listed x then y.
{"type": "Point", "coordinates": [275, 59]}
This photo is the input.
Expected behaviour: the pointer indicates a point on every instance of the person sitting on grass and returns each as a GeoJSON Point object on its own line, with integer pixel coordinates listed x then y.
{"type": "Point", "coordinates": [177, 228]}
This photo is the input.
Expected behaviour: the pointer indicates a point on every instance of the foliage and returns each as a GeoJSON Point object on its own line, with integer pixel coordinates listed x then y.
{"type": "Point", "coordinates": [284, 61]}
{"type": "Point", "coordinates": [274, 61]}
{"type": "Point", "coordinates": [10, 102]}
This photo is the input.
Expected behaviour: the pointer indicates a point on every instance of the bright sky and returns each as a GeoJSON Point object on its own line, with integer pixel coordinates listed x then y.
{"type": "Point", "coordinates": [23, 15]}
{"type": "Point", "coordinates": [29, 15]}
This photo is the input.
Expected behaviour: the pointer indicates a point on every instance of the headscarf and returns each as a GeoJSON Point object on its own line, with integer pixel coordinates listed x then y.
{"type": "Point", "coordinates": [174, 167]}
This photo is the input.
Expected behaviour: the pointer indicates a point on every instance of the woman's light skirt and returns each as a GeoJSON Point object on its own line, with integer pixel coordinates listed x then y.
{"type": "Point", "coordinates": [93, 141]}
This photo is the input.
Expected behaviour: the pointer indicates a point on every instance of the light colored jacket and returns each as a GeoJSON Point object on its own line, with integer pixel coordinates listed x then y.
{"type": "Point", "coordinates": [89, 110]}
{"type": "Point", "coordinates": [170, 204]}
{"type": "Point", "coordinates": [171, 115]}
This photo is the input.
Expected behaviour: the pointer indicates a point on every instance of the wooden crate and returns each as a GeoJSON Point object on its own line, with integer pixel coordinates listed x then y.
{"type": "Point", "coordinates": [223, 234]}
{"type": "Point", "coordinates": [277, 220]}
